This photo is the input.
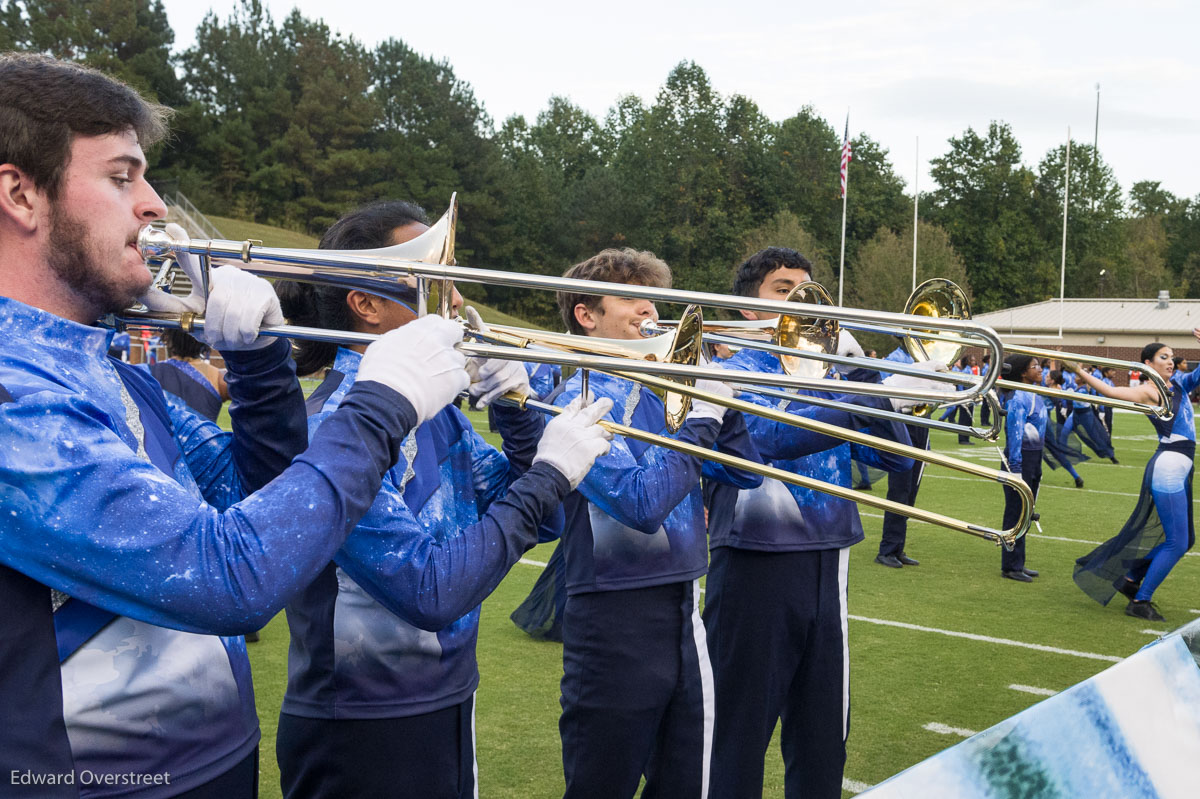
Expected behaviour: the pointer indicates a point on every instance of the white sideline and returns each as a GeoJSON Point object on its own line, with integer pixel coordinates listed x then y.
{"type": "Point", "coordinates": [952, 633]}
{"type": "Point", "coordinates": [1031, 689]}
{"type": "Point", "coordinates": [943, 729]}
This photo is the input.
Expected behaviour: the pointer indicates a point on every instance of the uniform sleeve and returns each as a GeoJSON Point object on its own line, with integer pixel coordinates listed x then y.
{"type": "Point", "coordinates": [268, 420]}
{"type": "Point", "coordinates": [430, 578]}
{"type": "Point", "coordinates": [87, 516]}
{"type": "Point", "coordinates": [520, 431]}
{"type": "Point", "coordinates": [1014, 431]}
{"type": "Point", "coordinates": [1188, 381]}
{"type": "Point", "coordinates": [734, 439]}
{"type": "Point", "coordinates": [640, 492]}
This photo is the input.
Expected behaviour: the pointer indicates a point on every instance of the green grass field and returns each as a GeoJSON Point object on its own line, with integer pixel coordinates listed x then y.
{"type": "Point", "coordinates": [903, 677]}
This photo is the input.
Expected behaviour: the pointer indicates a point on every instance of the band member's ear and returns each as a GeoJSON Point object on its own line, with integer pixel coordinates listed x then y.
{"type": "Point", "coordinates": [19, 198]}
{"type": "Point", "coordinates": [585, 317]}
{"type": "Point", "coordinates": [748, 314]}
{"type": "Point", "coordinates": [365, 306]}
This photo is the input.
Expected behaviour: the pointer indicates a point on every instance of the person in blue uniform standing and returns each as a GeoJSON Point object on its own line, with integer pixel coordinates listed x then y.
{"type": "Point", "coordinates": [1025, 434]}
{"type": "Point", "coordinates": [902, 487]}
{"type": "Point", "coordinates": [775, 606]}
{"type": "Point", "coordinates": [1058, 450]}
{"type": "Point", "coordinates": [140, 540]}
{"type": "Point", "coordinates": [1138, 558]}
{"type": "Point", "coordinates": [637, 685]}
{"type": "Point", "coordinates": [382, 671]}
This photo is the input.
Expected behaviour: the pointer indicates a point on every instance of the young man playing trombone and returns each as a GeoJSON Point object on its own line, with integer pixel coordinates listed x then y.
{"type": "Point", "coordinates": [637, 688]}
{"type": "Point", "coordinates": [139, 540]}
{"type": "Point", "coordinates": [775, 606]}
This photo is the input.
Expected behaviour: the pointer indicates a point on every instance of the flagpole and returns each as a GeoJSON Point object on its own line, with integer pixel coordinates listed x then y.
{"type": "Point", "coordinates": [842, 259]}
{"type": "Point", "coordinates": [916, 201]}
{"type": "Point", "coordinates": [845, 180]}
{"type": "Point", "coordinates": [1062, 274]}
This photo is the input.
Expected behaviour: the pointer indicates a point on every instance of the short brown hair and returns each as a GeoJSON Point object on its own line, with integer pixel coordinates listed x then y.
{"type": "Point", "coordinates": [45, 103]}
{"type": "Point", "coordinates": [630, 266]}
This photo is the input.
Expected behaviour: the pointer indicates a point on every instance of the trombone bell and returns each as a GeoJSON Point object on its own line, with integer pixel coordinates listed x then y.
{"type": "Point", "coordinates": [807, 333]}
{"type": "Point", "coordinates": [941, 299]}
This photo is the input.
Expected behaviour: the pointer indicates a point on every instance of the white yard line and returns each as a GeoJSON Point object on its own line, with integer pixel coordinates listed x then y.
{"type": "Point", "coordinates": [1155, 633]}
{"type": "Point", "coordinates": [1032, 689]}
{"type": "Point", "coordinates": [854, 786]}
{"type": "Point", "coordinates": [945, 729]}
{"type": "Point", "coordinates": [989, 639]}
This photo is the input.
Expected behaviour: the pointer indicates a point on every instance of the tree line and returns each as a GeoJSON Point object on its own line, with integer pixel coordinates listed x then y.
{"type": "Point", "coordinates": [289, 123]}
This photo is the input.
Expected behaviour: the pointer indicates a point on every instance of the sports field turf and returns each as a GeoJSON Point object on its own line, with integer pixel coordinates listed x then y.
{"type": "Point", "coordinates": [936, 650]}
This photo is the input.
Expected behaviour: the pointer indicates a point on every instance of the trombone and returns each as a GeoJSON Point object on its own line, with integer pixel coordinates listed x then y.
{"type": "Point", "coordinates": [619, 367]}
{"type": "Point", "coordinates": [388, 271]}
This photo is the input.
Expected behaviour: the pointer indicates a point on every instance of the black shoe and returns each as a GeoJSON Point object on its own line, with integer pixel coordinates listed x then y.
{"type": "Point", "coordinates": [1079, 482]}
{"type": "Point", "coordinates": [1143, 610]}
{"type": "Point", "coordinates": [1114, 460]}
{"type": "Point", "coordinates": [1029, 572]}
{"type": "Point", "coordinates": [967, 443]}
{"type": "Point", "coordinates": [1019, 576]}
{"type": "Point", "coordinates": [891, 561]}
{"type": "Point", "coordinates": [906, 560]}
{"type": "Point", "coordinates": [863, 487]}
{"type": "Point", "coordinates": [252, 637]}
{"type": "Point", "coordinates": [1129, 588]}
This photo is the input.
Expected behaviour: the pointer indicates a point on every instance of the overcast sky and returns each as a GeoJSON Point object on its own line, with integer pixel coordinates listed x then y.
{"type": "Point", "coordinates": [903, 69]}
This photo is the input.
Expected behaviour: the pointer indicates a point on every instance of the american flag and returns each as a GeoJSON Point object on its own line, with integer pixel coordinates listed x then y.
{"type": "Point", "coordinates": [846, 152]}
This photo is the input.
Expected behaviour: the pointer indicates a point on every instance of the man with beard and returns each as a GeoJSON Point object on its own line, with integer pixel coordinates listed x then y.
{"type": "Point", "coordinates": [136, 532]}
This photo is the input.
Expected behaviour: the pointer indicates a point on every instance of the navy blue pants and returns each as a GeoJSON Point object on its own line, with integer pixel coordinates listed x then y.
{"type": "Point", "coordinates": [636, 694]}
{"type": "Point", "coordinates": [240, 782]}
{"type": "Point", "coordinates": [777, 638]}
{"type": "Point", "coordinates": [431, 756]}
{"type": "Point", "coordinates": [1031, 473]}
{"type": "Point", "coordinates": [902, 487]}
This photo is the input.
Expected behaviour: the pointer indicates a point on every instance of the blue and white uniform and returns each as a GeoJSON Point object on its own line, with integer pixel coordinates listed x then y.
{"type": "Point", "coordinates": [903, 486]}
{"type": "Point", "coordinates": [637, 686]}
{"type": "Point", "coordinates": [1025, 420]}
{"type": "Point", "coordinates": [1160, 530]}
{"type": "Point", "coordinates": [133, 508]}
{"type": "Point", "coordinates": [775, 606]}
{"type": "Point", "coordinates": [185, 381]}
{"type": "Point", "coordinates": [543, 378]}
{"type": "Point", "coordinates": [388, 630]}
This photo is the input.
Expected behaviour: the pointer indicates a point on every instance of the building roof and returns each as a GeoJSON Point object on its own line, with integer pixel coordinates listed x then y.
{"type": "Point", "coordinates": [1131, 316]}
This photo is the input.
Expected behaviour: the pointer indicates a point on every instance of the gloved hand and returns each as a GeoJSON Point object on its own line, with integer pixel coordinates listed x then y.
{"type": "Point", "coordinates": [158, 300]}
{"type": "Point", "coordinates": [572, 440]}
{"type": "Point", "coordinates": [905, 381]}
{"type": "Point", "coordinates": [493, 377]}
{"type": "Point", "coordinates": [239, 303]}
{"type": "Point", "coordinates": [419, 361]}
{"type": "Point", "coordinates": [702, 409]}
{"type": "Point", "coordinates": [848, 345]}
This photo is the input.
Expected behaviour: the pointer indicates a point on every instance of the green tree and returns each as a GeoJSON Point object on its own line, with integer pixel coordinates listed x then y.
{"type": "Point", "coordinates": [984, 200]}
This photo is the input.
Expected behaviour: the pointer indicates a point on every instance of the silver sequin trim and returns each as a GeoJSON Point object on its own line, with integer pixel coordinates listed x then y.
{"type": "Point", "coordinates": [409, 448]}
{"type": "Point", "coordinates": [631, 402]}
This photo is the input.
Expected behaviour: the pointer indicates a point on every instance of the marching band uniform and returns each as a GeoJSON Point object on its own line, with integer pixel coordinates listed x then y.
{"type": "Point", "coordinates": [637, 686]}
{"type": "Point", "coordinates": [1025, 433]}
{"type": "Point", "coordinates": [775, 606]}
{"type": "Point", "coordinates": [129, 509]}
{"type": "Point", "coordinates": [382, 670]}
{"type": "Point", "coordinates": [903, 485]}
{"type": "Point", "coordinates": [1160, 530]}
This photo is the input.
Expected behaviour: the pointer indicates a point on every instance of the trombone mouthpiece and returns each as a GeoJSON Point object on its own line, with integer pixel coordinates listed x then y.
{"type": "Point", "coordinates": [154, 242]}
{"type": "Point", "coordinates": [649, 328]}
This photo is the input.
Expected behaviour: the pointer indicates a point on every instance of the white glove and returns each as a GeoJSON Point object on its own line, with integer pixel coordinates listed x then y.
{"type": "Point", "coordinates": [710, 410]}
{"type": "Point", "coordinates": [158, 300]}
{"type": "Point", "coordinates": [848, 345]}
{"type": "Point", "coordinates": [239, 303]}
{"type": "Point", "coordinates": [905, 381]}
{"type": "Point", "coordinates": [572, 440]}
{"type": "Point", "coordinates": [419, 361]}
{"type": "Point", "coordinates": [493, 377]}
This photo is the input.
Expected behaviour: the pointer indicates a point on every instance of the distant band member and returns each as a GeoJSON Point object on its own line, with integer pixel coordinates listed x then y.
{"type": "Point", "coordinates": [381, 671]}
{"type": "Point", "coordinates": [1158, 533]}
{"type": "Point", "coordinates": [1025, 435]}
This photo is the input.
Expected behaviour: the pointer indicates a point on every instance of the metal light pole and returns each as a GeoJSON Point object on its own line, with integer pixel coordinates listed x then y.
{"type": "Point", "coordinates": [1095, 149]}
